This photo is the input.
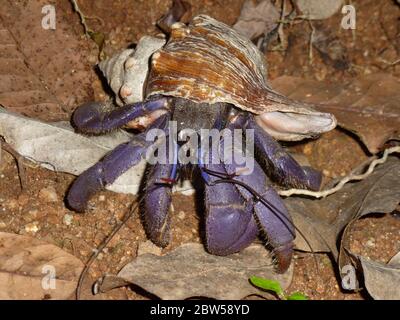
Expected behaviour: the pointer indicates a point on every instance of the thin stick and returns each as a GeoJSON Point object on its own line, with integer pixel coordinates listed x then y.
{"type": "Point", "coordinates": [101, 247]}
{"type": "Point", "coordinates": [310, 52]}
{"type": "Point", "coordinates": [82, 17]}
{"type": "Point", "coordinates": [18, 159]}
{"type": "Point", "coordinates": [340, 185]}
{"type": "Point", "coordinates": [281, 32]}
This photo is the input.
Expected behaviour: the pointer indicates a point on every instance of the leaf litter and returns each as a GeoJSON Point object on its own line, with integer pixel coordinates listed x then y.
{"type": "Point", "coordinates": [40, 69]}
{"type": "Point", "coordinates": [189, 271]}
{"type": "Point", "coordinates": [31, 269]}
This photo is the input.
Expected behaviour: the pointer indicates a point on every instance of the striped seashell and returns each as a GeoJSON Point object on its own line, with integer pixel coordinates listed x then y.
{"type": "Point", "coordinates": [209, 62]}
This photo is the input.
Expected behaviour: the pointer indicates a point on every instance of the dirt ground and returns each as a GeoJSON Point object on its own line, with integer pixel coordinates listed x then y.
{"type": "Point", "coordinates": [39, 209]}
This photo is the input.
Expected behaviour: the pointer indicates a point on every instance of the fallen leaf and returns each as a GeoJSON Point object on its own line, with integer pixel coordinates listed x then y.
{"type": "Point", "coordinates": [57, 147]}
{"type": "Point", "coordinates": [41, 68]}
{"type": "Point", "coordinates": [333, 52]}
{"type": "Point", "coordinates": [367, 106]}
{"type": "Point", "coordinates": [319, 9]}
{"type": "Point", "coordinates": [323, 220]}
{"type": "Point", "coordinates": [189, 271]}
{"type": "Point", "coordinates": [395, 261]}
{"type": "Point", "coordinates": [257, 19]}
{"type": "Point", "coordinates": [27, 266]}
{"type": "Point", "coordinates": [382, 280]}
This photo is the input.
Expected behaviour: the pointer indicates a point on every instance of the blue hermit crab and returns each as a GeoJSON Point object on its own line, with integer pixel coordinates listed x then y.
{"type": "Point", "coordinates": [208, 76]}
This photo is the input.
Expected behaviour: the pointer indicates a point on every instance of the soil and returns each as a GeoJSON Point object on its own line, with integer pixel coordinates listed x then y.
{"type": "Point", "coordinates": [39, 210]}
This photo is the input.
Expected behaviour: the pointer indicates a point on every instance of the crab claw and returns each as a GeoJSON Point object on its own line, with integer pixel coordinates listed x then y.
{"type": "Point", "coordinates": [230, 225]}
{"type": "Point", "coordinates": [107, 170]}
{"type": "Point", "coordinates": [271, 215]}
{"type": "Point", "coordinates": [101, 117]}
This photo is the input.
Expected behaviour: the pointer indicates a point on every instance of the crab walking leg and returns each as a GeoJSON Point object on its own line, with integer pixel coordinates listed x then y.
{"type": "Point", "coordinates": [157, 202]}
{"type": "Point", "coordinates": [284, 168]}
{"type": "Point", "coordinates": [270, 213]}
{"type": "Point", "coordinates": [97, 117]}
{"type": "Point", "coordinates": [230, 225]}
{"type": "Point", "coordinates": [107, 170]}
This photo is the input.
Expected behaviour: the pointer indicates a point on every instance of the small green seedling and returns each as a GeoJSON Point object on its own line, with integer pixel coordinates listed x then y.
{"type": "Point", "coordinates": [275, 286]}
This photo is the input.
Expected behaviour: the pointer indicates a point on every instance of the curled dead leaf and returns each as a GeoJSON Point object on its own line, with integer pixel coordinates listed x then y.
{"type": "Point", "coordinates": [382, 280]}
{"type": "Point", "coordinates": [319, 9]}
{"type": "Point", "coordinates": [256, 20]}
{"type": "Point", "coordinates": [322, 221]}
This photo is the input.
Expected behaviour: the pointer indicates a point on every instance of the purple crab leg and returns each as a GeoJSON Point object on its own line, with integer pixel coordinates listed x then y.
{"type": "Point", "coordinates": [230, 225]}
{"type": "Point", "coordinates": [157, 219]}
{"type": "Point", "coordinates": [157, 202]}
{"type": "Point", "coordinates": [283, 168]}
{"type": "Point", "coordinates": [272, 217]}
{"type": "Point", "coordinates": [107, 170]}
{"type": "Point", "coordinates": [98, 117]}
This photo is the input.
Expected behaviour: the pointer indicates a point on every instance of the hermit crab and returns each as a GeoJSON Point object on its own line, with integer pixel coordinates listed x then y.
{"type": "Point", "coordinates": [206, 76]}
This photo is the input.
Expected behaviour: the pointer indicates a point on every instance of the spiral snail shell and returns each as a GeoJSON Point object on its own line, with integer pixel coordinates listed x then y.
{"type": "Point", "coordinates": [208, 61]}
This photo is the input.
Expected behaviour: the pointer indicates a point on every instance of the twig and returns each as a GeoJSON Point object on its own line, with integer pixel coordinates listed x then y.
{"type": "Point", "coordinates": [389, 63]}
{"type": "Point", "coordinates": [18, 159]}
{"type": "Point", "coordinates": [340, 185]}
{"type": "Point", "coordinates": [97, 37]}
{"type": "Point", "coordinates": [89, 32]}
{"type": "Point", "coordinates": [283, 44]}
{"type": "Point", "coordinates": [281, 32]}
{"type": "Point", "coordinates": [353, 31]}
{"type": "Point", "coordinates": [310, 52]}
{"type": "Point", "coordinates": [101, 247]}
{"type": "Point", "coordinates": [356, 170]}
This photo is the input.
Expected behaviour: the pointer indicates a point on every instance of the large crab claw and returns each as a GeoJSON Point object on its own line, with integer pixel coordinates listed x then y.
{"type": "Point", "coordinates": [230, 224]}
{"type": "Point", "coordinates": [234, 215]}
{"type": "Point", "coordinates": [95, 118]}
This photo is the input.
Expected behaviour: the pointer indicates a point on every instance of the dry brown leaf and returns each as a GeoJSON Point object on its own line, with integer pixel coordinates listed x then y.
{"type": "Point", "coordinates": [26, 266]}
{"type": "Point", "coordinates": [382, 280]}
{"type": "Point", "coordinates": [257, 19]}
{"type": "Point", "coordinates": [43, 73]}
{"type": "Point", "coordinates": [189, 271]}
{"type": "Point", "coordinates": [319, 9]}
{"type": "Point", "coordinates": [333, 52]}
{"type": "Point", "coordinates": [322, 221]}
{"type": "Point", "coordinates": [368, 107]}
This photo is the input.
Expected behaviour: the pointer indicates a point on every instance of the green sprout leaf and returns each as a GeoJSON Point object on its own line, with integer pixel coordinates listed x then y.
{"type": "Point", "coordinates": [275, 286]}
{"type": "Point", "coordinates": [269, 285]}
{"type": "Point", "coordinates": [297, 296]}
